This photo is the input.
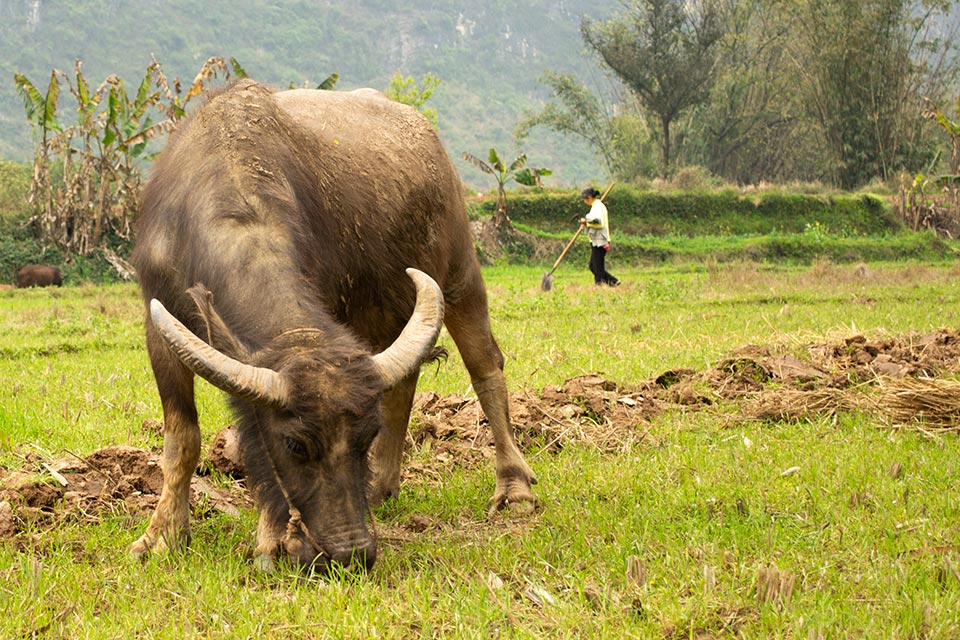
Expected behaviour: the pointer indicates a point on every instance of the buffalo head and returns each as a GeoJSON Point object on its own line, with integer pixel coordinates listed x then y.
{"type": "Point", "coordinates": [309, 405]}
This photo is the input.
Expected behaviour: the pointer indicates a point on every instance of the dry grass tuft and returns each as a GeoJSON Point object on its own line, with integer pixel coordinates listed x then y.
{"type": "Point", "coordinates": [921, 403]}
{"type": "Point", "coordinates": [797, 404]}
{"type": "Point", "coordinates": [774, 586]}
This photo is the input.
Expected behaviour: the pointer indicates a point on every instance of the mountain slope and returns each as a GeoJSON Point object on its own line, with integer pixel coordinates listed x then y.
{"type": "Point", "coordinates": [488, 54]}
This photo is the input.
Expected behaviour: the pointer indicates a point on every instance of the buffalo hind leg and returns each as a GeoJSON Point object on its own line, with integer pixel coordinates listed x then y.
{"type": "Point", "coordinates": [469, 325]}
{"type": "Point", "coordinates": [170, 525]}
{"type": "Point", "coordinates": [387, 450]}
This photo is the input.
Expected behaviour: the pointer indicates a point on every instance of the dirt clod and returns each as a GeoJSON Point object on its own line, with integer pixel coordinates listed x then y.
{"type": "Point", "coordinates": [113, 478]}
{"type": "Point", "coordinates": [8, 525]}
{"type": "Point", "coordinates": [225, 453]}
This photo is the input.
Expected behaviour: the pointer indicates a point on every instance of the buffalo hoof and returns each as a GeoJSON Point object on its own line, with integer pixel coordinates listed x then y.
{"type": "Point", "coordinates": [519, 503]}
{"type": "Point", "coordinates": [140, 549]}
{"type": "Point", "coordinates": [514, 490]}
{"type": "Point", "coordinates": [378, 496]}
{"type": "Point", "coordinates": [151, 543]}
{"type": "Point", "coordinates": [265, 563]}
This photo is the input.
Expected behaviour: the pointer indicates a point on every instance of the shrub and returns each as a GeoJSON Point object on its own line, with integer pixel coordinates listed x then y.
{"type": "Point", "coordinates": [14, 189]}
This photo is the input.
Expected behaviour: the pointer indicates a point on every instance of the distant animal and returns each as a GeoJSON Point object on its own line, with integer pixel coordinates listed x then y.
{"type": "Point", "coordinates": [6, 286]}
{"type": "Point", "coordinates": [38, 275]}
{"type": "Point", "coordinates": [273, 238]}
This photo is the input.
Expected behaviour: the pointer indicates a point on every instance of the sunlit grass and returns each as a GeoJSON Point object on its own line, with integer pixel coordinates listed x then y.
{"type": "Point", "coordinates": [703, 507]}
{"type": "Point", "coordinates": [690, 316]}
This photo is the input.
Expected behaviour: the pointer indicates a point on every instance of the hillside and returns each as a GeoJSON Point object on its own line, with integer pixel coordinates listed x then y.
{"type": "Point", "coordinates": [488, 55]}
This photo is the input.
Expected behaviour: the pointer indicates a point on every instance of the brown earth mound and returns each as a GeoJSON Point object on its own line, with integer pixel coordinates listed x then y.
{"type": "Point", "coordinates": [893, 377]}
{"type": "Point", "coordinates": [118, 479]}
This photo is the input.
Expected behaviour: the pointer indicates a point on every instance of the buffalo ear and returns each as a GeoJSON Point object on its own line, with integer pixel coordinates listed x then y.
{"type": "Point", "coordinates": [219, 335]}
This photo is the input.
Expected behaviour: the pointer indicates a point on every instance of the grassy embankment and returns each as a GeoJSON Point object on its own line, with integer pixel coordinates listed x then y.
{"type": "Point", "coordinates": [727, 225]}
{"type": "Point", "coordinates": [700, 504]}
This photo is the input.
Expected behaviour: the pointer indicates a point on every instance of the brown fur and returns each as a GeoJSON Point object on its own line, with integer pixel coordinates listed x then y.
{"type": "Point", "coordinates": [299, 211]}
{"type": "Point", "coordinates": [39, 275]}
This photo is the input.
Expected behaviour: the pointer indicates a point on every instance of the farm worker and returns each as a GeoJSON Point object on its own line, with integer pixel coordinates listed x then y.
{"type": "Point", "coordinates": [598, 230]}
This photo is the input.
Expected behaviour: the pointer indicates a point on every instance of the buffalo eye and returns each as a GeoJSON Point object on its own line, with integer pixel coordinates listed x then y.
{"type": "Point", "coordinates": [295, 447]}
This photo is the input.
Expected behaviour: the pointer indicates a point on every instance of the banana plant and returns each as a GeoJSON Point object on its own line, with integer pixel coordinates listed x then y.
{"type": "Point", "coordinates": [952, 129]}
{"type": "Point", "coordinates": [504, 173]}
{"type": "Point", "coordinates": [41, 108]}
{"type": "Point", "coordinates": [329, 82]}
{"type": "Point", "coordinates": [127, 123]}
{"type": "Point", "coordinates": [99, 153]}
{"type": "Point", "coordinates": [532, 176]}
{"type": "Point", "coordinates": [327, 85]}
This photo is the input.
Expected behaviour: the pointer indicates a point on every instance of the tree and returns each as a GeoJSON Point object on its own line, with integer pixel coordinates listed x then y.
{"type": "Point", "coordinates": [664, 51]}
{"type": "Point", "coordinates": [407, 91]}
{"type": "Point", "coordinates": [618, 136]}
{"type": "Point", "coordinates": [748, 130]}
{"type": "Point", "coordinates": [862, 68]}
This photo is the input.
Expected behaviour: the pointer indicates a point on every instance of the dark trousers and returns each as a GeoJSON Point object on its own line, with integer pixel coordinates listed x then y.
{"type": "Point", "coordinates": [598, 258]}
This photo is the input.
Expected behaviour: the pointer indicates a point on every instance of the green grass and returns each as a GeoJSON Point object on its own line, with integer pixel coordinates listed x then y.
{"type": "Point", "coordinates": [804, 249]}
{"type": "Point", "coordinates": [701, 505]}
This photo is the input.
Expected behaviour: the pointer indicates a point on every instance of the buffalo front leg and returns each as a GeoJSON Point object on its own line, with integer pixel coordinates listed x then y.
{"type": "Point", "coordinates": [270, 534]}
{"type": "Point", "coordinates": [169, 526]}
{"type": "Point", "coordinates": [470, 330]}
{"type": "Point", "coordinates": [386, 453]}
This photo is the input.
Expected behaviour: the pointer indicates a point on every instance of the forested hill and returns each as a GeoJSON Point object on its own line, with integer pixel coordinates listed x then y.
{"type": "Point", "coordinates": [488, 54]}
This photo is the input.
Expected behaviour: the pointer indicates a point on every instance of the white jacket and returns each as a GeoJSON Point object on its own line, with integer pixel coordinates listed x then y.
{"type": "Point", "coordinates": [598, 225]}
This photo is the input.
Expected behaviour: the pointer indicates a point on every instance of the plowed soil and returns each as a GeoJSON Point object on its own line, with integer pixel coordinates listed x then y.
{"type": "Point", "coordinates": [759, 382]}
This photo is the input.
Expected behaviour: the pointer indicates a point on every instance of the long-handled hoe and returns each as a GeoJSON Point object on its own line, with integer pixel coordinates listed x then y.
{"type": "Point", "coordinates": [546, 283]}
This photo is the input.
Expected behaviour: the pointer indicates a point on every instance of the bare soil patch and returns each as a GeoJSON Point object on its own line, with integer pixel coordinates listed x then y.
{"type": "Point", "coordinates": [907, 381]}
{"type": "Point", "coordinates": [118, 479]}
{"type": "Point", "coordinates": [493, 243]}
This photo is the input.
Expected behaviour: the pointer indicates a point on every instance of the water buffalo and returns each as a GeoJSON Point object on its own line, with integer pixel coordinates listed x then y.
{"type": "Point", "coordinates": [39, 275]}
{"type": "Point", "coordinates": [278, 226]}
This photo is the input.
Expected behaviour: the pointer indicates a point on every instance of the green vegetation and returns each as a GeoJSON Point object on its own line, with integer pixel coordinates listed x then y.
{"type": "Point", "coordinates": [798, 249]}
{"type": "Point", "coordinates": [712, 212]}
{"type": "Point", "coordinates": [723, 225]}
{"type": "Point", "coordinates": [649, 228]}
{"type": "Point", "coordinates": [406, 91]}
{"type": "Point", "coordinates": [14, 189]}
{"type": "Point", "coordinates": [754, 92]}
{"type": "Point", "coordinates": [19, 245]}
{"type": "Point", "coordinates": [672, 536]}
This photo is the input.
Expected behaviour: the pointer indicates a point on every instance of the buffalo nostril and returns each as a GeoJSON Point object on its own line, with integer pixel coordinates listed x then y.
{"type": "Point", "coordinates": [365, 558]}
{"type": "Point", "coordinates": [331, 559]}
{"type": "Point", "coordinates": [355, 559]}
{"type": "Point", "coordinates": [305, 560]}
{"type": "Point", "coordinates": [294, 547]}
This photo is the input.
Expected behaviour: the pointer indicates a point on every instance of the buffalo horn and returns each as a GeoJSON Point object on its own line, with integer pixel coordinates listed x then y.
{"type": "Point", "coordinates": [255, 384]}
{"type": "Point", "coordinates": [407, 352]}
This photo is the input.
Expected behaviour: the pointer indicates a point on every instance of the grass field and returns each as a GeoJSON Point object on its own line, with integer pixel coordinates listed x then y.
{"type": "Point", "coordinates": [708, 527]}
